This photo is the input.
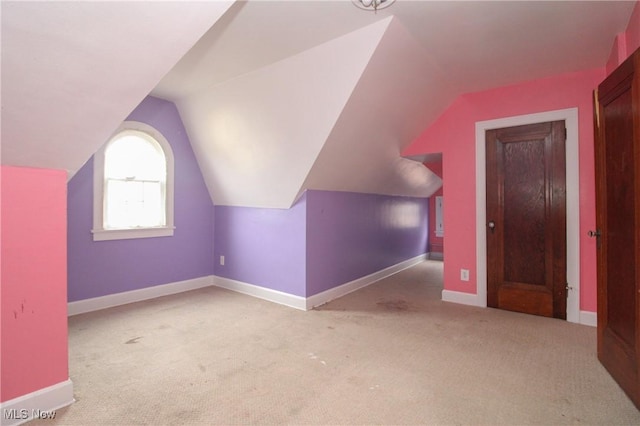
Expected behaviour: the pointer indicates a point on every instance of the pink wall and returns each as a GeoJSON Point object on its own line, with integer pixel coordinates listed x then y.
{"type": "Point", "coordinates": [626, 42]}
{"type": "Point", "coordinates": [632, 34]}
{"type": "Point", "coordinates": [33, 346]}
{"type": "Point", "coordinates": [436, 243]}
{"type": "Point", "coordinates": [453, 134]}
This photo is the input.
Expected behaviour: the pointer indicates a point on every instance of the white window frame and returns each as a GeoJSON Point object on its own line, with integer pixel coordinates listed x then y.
{"type": "Point", "coordinates": [98, 231]}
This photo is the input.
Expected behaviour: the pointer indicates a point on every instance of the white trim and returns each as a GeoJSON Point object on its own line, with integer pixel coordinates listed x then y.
{"type": "Point", "coordinates": [127, 234]}
{"type": "Point", "coordinates": [264, 293]}
{"type": "Point", "coordinates": [117, 299]}
{"type": "Point", "coordinates": [570, 116]}
{"type": "Point", "coordinates": [435, 256]}
{"type": "Point", "coordinates": [463, 298]}
{"type": "Point", "coordinates": [305, 304]}
{"type": "Point", "coordinates": [351, 286]}
{"type": "Point", "coordinates": [589, 318]}
{"type": "Point", "coordinates": [45, 400]}
{"type": "Point", "coordinates": [293, 301]}
{"type": "Point", "coordinates": [98, 231]}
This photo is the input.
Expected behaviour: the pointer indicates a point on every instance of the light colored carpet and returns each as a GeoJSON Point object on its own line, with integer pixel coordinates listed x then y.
{"type": "Point", "coordinates": [392, 353]}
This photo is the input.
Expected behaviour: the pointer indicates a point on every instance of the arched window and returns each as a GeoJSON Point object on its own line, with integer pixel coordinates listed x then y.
{"type": "Point", "coordinates": [133, 185]}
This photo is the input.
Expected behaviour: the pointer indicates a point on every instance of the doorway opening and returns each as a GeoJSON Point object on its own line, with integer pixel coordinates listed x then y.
{"type": "Point", "coordinates": [436, 210]}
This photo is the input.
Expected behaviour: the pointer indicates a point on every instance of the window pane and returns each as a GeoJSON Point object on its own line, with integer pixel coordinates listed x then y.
{"type": "Point", "coordinates": [135, 177]}
{"type": "Point", "coordinates": [134, 156]}
{"type": "Point", "coordinates": [132, 204]}
{"type": "Point", "coordinates": [118, 199]}
{"type": "Point", "coordinates": [152, 211]}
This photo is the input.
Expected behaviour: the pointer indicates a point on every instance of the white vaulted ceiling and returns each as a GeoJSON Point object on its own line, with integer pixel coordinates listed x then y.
{"type": "Point", "coordinates": [279, 96]}
{"type": "Point", "coordinates": [73, 71]}
{"type": "Point", "coordinates": [384, 114]}
{"type": "Point", "coordinates": [479, 44]}
{"type": "Point", "coordinates": [258, 135]}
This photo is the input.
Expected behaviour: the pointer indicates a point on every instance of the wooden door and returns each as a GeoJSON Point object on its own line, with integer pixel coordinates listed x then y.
{"type": "Point", "coordinates": [526, 219]}
{"type": "Point", "coordinates": [617, 151]}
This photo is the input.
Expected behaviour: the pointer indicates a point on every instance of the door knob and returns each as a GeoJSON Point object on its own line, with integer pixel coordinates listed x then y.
{"type": "Point", "coordinates": [492, 225]}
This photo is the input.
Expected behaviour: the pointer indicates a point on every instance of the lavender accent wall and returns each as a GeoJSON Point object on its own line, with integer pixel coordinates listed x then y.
{"type": "Point", "coordinates": [325, 240]}
{"type": "Point", "coordinates": [263, 247]}
{"type": "Point", "coordinates": [106, 267]}
{"type": "Point", "coordinates": [351, 235]}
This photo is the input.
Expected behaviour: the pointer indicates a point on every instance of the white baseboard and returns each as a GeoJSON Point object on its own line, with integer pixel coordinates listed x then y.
{"type": "Point", "coordinates": [117, 299]}
{"type": "Point", "coordinates": [589, 318]}
{"type": "Point", "coordinates": [275, 296]}
{"type": "Point", "coordinates": [305, 304]}
{"type": "Point", "coordinates": [297, 302]}
{"type": "Point", "coordinates": [351, 286]}
{"type": "Point", "coordinates": [462, 298]}
{"type": "Point", "coordinates": [586, 317]}
{"type": "Point", "coordinates": [435, 256]}
{"type": "Point", "coordinates": [39, 404]}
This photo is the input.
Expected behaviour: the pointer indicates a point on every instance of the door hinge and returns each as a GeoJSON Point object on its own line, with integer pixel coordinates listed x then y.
{"type": "Point", "coordinates": [596, 234]}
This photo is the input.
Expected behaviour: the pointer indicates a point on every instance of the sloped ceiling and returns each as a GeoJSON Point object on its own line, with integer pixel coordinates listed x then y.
{"type": "Point", "coordinates": [72, 71]}
{"type": "Point", "coordinates": [384, 114]}
{"type": "Point", "coordinates": [480, 44]}
{"type": "Point", "coordinates": [276, 99]}
{"type": "Point", "coordinates": [257, 136]}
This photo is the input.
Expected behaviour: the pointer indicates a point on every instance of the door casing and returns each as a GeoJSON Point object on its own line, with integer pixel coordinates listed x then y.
{"type": "Point", "coordinates": [570, 116]}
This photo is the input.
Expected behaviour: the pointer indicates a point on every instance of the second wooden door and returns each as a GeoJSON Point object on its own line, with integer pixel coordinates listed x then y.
{"type": "Point", "coordinates": [618, 219]}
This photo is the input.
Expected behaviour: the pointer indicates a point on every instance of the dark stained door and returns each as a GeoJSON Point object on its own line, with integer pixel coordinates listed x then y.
{"type": "Point", "coordinates": [617, 219]}
{"type": "Point", "coordinates": [526, 219]}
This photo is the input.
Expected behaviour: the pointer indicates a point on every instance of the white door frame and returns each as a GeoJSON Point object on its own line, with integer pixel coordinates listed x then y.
{"type": "Point", "coordinates": [570, 116]}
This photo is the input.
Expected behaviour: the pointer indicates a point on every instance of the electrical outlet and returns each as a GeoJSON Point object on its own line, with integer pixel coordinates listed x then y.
{"type": "Point", "coordinates": [464, 274]}
{"type": "Point", "coordinates": [222, 260]}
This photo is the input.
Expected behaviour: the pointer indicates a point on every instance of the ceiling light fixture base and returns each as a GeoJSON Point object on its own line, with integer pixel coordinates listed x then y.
{"type": "Point", "coordinates": [372, 5]}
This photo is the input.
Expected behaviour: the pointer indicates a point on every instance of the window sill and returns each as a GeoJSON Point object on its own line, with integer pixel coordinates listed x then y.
{"type": "Point", "coordinates": [440, 234]}
{"type": "Point", "coordinates": [127, 234]}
